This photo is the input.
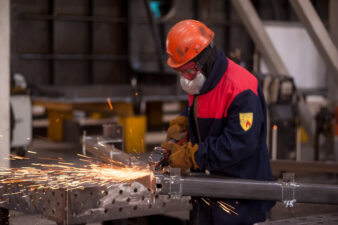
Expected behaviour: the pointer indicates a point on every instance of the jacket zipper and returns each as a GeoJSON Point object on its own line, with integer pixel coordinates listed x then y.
{"type": "Point", "coordinates": [195, 118]}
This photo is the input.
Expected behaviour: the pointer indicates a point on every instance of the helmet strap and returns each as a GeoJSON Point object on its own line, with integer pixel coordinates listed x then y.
{"type": "Point", "coordinates": [206, 58]}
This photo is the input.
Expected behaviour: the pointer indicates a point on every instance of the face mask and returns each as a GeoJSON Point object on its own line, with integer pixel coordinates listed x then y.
{"type": "Point", "coordinates": [194, 86]}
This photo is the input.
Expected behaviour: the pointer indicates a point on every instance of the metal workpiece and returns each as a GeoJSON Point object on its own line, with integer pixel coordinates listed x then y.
{"type": "Point", "coordinates": [287, 192]}
{"type": "Point", "coordinates": [92, 203]}
{"type": "Point", "coordinates": [105, 150]}
{"type": "Point", "coordinates": [327, 219]}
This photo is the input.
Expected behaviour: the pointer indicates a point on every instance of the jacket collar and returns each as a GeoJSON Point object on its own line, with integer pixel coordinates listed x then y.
{"type": "Point", "coordinates": [217, 72]}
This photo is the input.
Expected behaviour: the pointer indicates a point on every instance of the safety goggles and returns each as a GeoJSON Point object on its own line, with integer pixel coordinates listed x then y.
{"type": "Point", "coordinates": [189, 70]}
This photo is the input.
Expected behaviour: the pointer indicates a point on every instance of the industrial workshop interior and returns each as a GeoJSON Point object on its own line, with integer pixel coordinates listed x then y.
{"type": "Point", "coordinates": [168, 112]}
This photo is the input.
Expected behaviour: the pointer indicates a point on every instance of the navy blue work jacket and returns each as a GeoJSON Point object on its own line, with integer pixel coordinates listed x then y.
{"type": "Point", "coordinates": [231, 115]}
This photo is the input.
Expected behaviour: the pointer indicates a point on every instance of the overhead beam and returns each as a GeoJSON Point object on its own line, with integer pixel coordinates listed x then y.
{"type": "Point", "coordinates": [333, 21]}
{"type": "Point", "coordinates": [4, 84]}
{"type": "Point", "coordinates": [255, 27]}
{"type": "Point", "coordinates": [318, 33]}
{"type": "Point", "coordinates": [333, 26]}
{"type": "Point", "coordinates": [258, 34]}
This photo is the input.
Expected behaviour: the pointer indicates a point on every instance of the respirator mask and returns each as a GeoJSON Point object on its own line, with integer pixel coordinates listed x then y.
{"type": "Point", "coordinates": [192, 78]}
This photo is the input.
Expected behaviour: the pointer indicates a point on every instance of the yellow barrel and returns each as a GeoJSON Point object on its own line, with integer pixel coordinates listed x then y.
{"type": "Point", "coordinates": [134, 133]}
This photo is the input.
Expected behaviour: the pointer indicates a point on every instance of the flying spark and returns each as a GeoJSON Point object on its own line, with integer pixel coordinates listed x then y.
{"type": "Point", "coordinates": [223, 205]}
{"type": "Point", "coordinates": [68, 175]}
{"type": "Point", "coordinates": [109, 103]}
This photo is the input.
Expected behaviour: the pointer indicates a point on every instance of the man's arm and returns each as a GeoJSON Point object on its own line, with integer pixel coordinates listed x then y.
{"type": "Point", "coordinates": [238, 140]}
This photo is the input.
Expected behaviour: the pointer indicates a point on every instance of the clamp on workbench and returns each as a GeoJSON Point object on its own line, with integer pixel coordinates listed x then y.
{"type": "Point", "coordinates": [288, 190]}
{"type": "Point", "coordinates": [171, 184]}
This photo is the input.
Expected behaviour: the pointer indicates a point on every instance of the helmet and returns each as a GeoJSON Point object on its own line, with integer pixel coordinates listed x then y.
{"type": "Point", "coordinates": [186, 40]}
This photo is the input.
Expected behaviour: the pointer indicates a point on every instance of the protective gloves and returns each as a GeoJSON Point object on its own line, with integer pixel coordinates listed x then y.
{"type": "Point", "coordinates": [177, 126]}
{"type": "Point", "coordinates": [182, 156]}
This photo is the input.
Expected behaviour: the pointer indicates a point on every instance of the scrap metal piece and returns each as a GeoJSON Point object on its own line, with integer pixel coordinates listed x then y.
{"type": "Point", "coordinates": [104, 151]}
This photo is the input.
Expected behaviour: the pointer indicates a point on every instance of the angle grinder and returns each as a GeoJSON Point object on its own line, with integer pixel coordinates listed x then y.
{"type": "Point", "coordinates": [159, 158]}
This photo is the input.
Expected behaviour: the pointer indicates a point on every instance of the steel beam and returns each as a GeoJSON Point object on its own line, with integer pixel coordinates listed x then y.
{"type": "Point", "coordinates": [256, 29]}
{"type": "Point", "coordinates": [318, 33]}
{"type": "Point", "coordinates": [4, 83]}
{"type": "Point", "coordinates": [333, 25]}
{"type": "Point", "coordinates": [333, 20]}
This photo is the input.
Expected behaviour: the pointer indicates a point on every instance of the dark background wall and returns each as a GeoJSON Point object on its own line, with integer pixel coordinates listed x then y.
{"type": "Point", "coordinates": [85, 42]}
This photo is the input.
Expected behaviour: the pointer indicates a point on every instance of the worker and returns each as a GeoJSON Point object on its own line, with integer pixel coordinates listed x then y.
{"type": "Point", "coordinates": [225, 119]}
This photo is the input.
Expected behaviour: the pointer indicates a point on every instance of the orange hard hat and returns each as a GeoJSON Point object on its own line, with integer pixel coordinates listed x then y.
{"type": "Point", "coordinates": [186, 40]}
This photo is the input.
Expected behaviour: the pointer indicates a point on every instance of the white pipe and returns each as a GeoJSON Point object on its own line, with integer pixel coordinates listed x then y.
{"type": "Point", "coordinates": [84, 136]}
{"type": "Point", "coordinates": [4, 84]}
{"type": "Point", "coordinates": [274, 142]}
{"type": "Point", "coordinates": [298, 146]}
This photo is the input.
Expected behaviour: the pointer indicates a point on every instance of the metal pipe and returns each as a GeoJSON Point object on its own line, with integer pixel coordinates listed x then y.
{"type": "Point", "coordinates": [230, 188]}
{"type": "Point", "coordinates": [156, 35]}
{"type": "Point", "coordinates": [298, 145]}
{"type": "Point", "coordinates": [250, 189]}
{"type": "Point", "coordinates": [274, 142]}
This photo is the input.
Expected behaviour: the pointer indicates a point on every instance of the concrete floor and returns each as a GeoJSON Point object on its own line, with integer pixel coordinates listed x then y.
{"type": "Point", "coordinates": [68, 152]}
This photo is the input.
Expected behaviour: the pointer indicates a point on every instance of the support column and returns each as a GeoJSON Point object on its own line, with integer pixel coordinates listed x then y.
{"type": "Point", "coordinates": [4, 83]}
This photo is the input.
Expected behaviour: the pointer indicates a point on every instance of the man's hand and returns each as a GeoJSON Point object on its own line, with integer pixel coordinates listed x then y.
{"type": "Point", "coordinates": [182, 156]}
{"type": "Point", "coordinates": [177, 126]}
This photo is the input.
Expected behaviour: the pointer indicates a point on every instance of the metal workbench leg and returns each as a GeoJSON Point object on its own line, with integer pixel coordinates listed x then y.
{"type": "Point", "coordinates": [4, 216]}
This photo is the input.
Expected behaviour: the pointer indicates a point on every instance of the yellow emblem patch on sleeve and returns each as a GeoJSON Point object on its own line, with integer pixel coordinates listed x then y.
{"type": "Point", "coordinates": [246, 120]}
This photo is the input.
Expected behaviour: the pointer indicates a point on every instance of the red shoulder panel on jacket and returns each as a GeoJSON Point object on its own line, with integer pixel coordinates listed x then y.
{"type": "Point", "coordinates": [215, 104]}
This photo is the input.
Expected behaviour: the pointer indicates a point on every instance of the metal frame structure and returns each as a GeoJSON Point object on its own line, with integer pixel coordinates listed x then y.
{"type": "Point", "coordinates": [53, 18]}
{"type": "Point", "coordinates": [318, 34]}
{"type": "Point", "coordinates": [255, 27]}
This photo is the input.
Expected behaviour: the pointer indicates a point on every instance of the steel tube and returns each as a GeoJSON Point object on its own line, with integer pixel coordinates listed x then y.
{"type": "Point", "coordinates": [317, 193]}
{"type": "Point", "coordinates": [259, 190]}
{"type": "Point", "coordinates": [231, 188]}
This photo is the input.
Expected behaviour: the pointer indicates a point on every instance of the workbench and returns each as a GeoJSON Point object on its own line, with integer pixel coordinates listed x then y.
{"type": "Point", "coordinates": [90, 204]}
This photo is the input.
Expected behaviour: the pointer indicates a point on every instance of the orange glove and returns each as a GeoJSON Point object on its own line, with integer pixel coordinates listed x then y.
{"type": "Point", "coordinates": [176, 127]}
{"type": "Point", "coordinates": [182, 156]}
